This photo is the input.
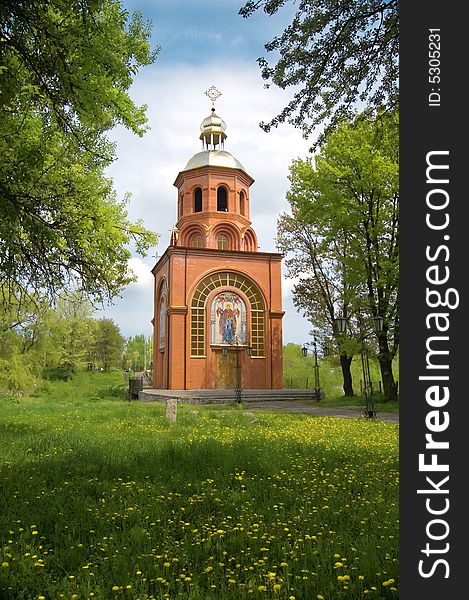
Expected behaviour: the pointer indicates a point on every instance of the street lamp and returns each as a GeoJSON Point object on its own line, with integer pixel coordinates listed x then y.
{"type": "Point", "coordinates": [238, 347]}
{"type": "Point", "coordinates": [378, 323]}
{"type": "Point", "coordinates": [317, 387]}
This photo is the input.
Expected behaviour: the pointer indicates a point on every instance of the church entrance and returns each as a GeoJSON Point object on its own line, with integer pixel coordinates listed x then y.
{"type": "Point", "coordinates": [226, 372]}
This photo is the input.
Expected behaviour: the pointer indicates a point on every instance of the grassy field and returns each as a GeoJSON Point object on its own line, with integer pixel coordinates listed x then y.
{"type": "Point", "coordinates": [103, 498]}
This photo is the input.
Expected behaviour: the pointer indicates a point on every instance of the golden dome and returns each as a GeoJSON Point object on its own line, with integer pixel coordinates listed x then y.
{"type": "Point", "coordinates": [214, 158]}
{"type": "Point", "coordinates": [212, 132]}
{"type": "Point", "coordinates": [212, 124]}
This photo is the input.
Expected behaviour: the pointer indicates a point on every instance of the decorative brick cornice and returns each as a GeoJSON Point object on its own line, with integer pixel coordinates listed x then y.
{"type": "Point", "coordinates": [276, 314]}
{"type": "Point", "coordinates": [177, 310]}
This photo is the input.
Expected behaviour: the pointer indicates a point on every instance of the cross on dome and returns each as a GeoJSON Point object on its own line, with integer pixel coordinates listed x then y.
{"type": "Point", "coordinates": [213, 93]}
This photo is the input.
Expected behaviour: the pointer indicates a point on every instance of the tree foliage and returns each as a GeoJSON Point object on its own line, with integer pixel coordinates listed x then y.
{"type": "Point", "coordinates": [336, 53]}
{"type": "Point", "coordinates": [108, 345]}
{"type": "Point", "coordinates": [138, 352]}
{"type": "Point", "coordinates": [345, 206]}
{"type": "Point", "coordinates": [65, 70]}
{"type": "Point", "coordinates": [324, 289]}
{"type": "Point", "coordinates": [37, 341]}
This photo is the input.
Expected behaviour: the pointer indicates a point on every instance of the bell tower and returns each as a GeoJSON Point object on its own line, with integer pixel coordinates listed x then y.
{"type": "Point", "coordinates": [213, 194]}
{"type": "Point", "coordinates": [214, 290]}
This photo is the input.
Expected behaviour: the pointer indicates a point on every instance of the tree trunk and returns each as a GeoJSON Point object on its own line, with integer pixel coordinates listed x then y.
{"type": "Point", "coordinates": [345, 362]}
{"type": "Point", "coordinates": [385, 363]}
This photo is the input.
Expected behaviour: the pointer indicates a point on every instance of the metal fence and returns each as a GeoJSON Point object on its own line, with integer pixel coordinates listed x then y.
{"type": "Point", "coordinates": [377, 389]}
{"type": "Point", "coordinates": [298, 383]}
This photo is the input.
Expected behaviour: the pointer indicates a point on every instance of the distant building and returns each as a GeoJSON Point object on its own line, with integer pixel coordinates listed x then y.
{"type": "Point", "coordinates": [218, 301]}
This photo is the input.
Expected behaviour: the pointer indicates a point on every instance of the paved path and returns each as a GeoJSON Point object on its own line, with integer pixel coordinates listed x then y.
{"type": "Point", "coordinates": [301, 407]}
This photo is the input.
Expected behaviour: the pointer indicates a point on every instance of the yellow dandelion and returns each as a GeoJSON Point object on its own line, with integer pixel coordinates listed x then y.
{"type": "Point", "coordinates": [5, 564]}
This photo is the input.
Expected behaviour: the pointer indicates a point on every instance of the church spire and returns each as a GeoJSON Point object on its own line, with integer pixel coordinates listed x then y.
{"type": "Point", "coordinates": [213, 127]}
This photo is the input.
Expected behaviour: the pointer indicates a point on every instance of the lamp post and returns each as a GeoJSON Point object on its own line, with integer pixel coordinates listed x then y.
{"type": "Point", "coordinates": [378, 322]}
{"type": "Point", "coordinates": [370, 411]}
{"type": "Point", "coordinates": [317, 387]}
{"type": "Point", "coordinates": [238, 347]}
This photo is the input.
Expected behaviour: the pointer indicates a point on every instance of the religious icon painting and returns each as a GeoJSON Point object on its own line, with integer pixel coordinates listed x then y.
{"type": "Point", "coordinates": [228, 320]}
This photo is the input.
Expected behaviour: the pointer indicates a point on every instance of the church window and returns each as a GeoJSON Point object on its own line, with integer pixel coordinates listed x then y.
{"type": "Point", "coordinates": [242, 203]}
{"type": "Point", "coordinates": [232, 281]}
{"type": "Point", "coordinates": [222, 199]}
{"type": "Point", "coordinates": [197, 200]}
{"type": "Point", "coordinates": [196, 241]}
{"type": "Point", "coordinates": [222, 242]}
{"type": "Point", "coordinates": [162, 320]}
{"type": "Point", "coordinates": [180, 199]}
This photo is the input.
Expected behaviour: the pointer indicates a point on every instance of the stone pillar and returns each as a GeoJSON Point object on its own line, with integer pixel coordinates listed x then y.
{"type": "Point", "coordinates": [171, 409]}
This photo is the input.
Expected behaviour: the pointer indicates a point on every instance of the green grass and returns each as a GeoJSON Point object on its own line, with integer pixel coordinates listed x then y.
{"type": "Point", "coordinates": [103, 498]}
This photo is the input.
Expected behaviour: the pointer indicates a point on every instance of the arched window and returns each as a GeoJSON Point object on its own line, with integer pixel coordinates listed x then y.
{"type": "Point", "coordinates": [162, 320]}
{"type": "Point", "coordinates": [230, 282]}
{"type": "Point", "coordinates": [222, 199]}
{"type": "Point", "coordinates": [197, 200]}
{"type": "Point", "coordinates": [222, 242]}
{"type": "Point", "coordinates": [196, 241]}
{"type": "Point", "coordinates": [242, 203]}
{"type": "Point", "coordinates": [180, 199]}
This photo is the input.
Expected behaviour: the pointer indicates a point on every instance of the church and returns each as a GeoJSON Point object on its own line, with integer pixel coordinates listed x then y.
{"type": "Point", "coordinates": [217, 299]}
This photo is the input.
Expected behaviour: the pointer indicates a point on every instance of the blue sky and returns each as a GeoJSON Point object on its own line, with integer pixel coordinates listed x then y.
{"type": "Point", "coordinates": [198, 32]}
{"type": "Point", "coordinates": [203, 43]}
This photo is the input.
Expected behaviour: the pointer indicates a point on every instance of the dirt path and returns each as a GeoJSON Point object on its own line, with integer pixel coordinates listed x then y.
{"type": "Point", "coordinates": [344, 411]}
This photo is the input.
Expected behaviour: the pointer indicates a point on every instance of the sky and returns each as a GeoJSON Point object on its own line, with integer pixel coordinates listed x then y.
{"type": "Point", "coordinates": [203, 43]}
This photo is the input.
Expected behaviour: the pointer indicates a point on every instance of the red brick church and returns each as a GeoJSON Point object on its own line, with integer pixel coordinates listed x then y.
{"type": "Point", "coordinates": [218, 301]}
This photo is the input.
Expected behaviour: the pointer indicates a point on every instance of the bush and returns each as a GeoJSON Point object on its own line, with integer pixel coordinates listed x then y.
{"type": "Point", "coordinates": [16, 376]}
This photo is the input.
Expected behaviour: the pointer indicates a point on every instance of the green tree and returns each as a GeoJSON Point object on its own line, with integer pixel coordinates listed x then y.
{"type": "Point", "coordinates": [352, 187]}
{"type": "Point", "coordinates": [27, 343]}
{"type": "Point", "coordinates": [323, 290]}
{"type": "Point", "coordinates": [65, 70]}
{"type": "Point", "coordinates": [108, 344]}
{"type": "Point", "coordinates": [337, 53]}
{"type": "Point", "coordinates": [138, 352]}
{"type": "Point", "coordinates": [19, 334]}
{"type": "Point", "coordinates": [72, 332]}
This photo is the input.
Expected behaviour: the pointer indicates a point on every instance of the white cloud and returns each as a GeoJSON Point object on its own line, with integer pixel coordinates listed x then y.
{"type": "Point", "coordinates": [199, 35]}
{"type": "Point", "coordinates": [142, 271]}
